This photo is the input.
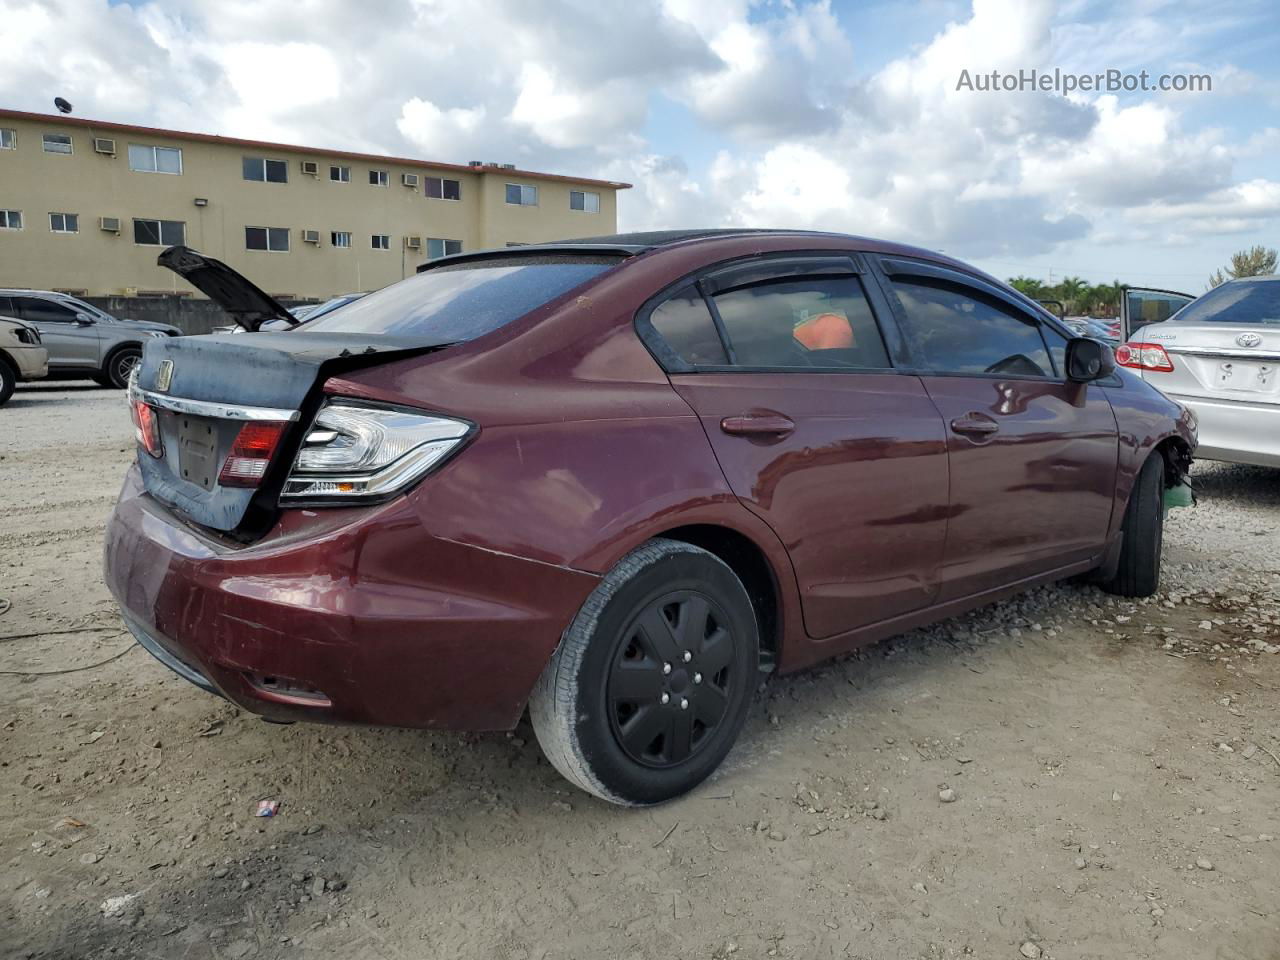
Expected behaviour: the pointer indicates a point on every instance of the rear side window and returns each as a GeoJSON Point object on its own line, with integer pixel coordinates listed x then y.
{"type": "Point", "coordinates": [811, 322]}
{"type": "Point", "coordinates": [459, 302]}
{"type": "Point", "coordinates": [685, 324]}
{"type": "Point", "coordinates": [952, 332]}
{"type": "Point", "coordinates": [1244, 301]}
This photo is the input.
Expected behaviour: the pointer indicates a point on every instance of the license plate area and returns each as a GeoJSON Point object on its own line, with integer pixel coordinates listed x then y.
{"type": "Point", "coordinates": [1241, 375]}
{"type": "Point", "coordinates": [198, 450]}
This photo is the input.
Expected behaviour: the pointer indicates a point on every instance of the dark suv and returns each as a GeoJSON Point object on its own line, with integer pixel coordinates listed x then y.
{"type": "Point", "coordinates": [614, 480]}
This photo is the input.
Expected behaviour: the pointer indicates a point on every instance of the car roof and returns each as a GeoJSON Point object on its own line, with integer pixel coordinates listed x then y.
{"type": "Point", "coordinates": [9, 291]}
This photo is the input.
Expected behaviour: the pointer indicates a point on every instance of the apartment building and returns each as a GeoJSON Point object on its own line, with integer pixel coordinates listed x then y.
{"type": "Point", "coordinates": [86, 206]}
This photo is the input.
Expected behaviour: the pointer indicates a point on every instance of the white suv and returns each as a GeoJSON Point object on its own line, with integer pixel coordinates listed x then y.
{"type": "Point", "coordinates": [22, 355]}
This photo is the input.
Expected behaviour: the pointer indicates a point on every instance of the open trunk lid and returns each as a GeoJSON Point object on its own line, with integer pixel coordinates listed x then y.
{"type": "Point", "coordinates": [204, 391]}
{"type": "Point", "coordinates": [247, 305]}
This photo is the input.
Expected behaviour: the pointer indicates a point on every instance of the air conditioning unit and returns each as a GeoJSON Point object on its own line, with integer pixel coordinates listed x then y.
{"type": "Point", "coordinates": [109, 224]}
{"type": "Point", "coordinates": [311, 167]}
{"type": "Point", "coordinates": [413, 243]}
{"type": "Point", "coordinates": [508, 166]}
{"type": "Point", "coordinates": [311, 236]}
{"type": "Point", "coordinates": [104, 146]}
{"type": "Point", "coordinates": [475, 163]}
{"type": "Point", "coordinates": [409, 179]}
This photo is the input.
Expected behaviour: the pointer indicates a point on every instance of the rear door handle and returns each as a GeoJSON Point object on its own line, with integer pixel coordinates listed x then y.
{"type": "Point", "coordinates": [975, 424]}
{"type": "Point", "coordinates": [758, 425]}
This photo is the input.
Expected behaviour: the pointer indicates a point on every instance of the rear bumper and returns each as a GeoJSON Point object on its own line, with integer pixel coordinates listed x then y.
{"type": "Point", "coordinates": [362, 617]}
{"type": "Point", "coordinates": [1236, 431]}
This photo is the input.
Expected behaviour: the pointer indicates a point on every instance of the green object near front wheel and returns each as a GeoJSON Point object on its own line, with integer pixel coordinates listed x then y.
{"type": "Point", "coordinates": [1179, 495]}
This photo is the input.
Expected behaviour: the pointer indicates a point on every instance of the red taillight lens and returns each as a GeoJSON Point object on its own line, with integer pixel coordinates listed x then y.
{"type": "Point", "coordinates": [1144, 356]}
{"type": "Point", "coordinates": [251, 453]}
{"type": "Point", "coordinates": [146, 427]}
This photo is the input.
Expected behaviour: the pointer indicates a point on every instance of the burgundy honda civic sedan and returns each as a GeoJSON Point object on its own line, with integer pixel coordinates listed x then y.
{"type": "Point", "coordinates": [613, 481]}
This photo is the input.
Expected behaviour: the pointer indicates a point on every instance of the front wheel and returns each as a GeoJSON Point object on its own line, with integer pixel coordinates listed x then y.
{"type": "Point", "coordinates": [119, 365]}
{"type": "Point", "coordinates": [1138, 572]}
{"type": "Point", "coordinates": [651, 683]}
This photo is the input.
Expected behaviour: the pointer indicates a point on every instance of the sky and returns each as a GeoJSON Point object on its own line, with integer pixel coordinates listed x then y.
{"type": "Point", "coordinates": [820, 114]}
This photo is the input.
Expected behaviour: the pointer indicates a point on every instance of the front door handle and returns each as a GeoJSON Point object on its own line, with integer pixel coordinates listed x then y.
{"type": "Point", "coordinates": [758, 425]}
{"type": "Point", "coordinates": [974, 424]}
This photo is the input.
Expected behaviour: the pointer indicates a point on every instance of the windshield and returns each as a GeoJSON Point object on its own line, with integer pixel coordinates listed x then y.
{"type": "Point", "coordinates": [450, 304]}
{"type": "Point", "coordinates": [1241, 301]}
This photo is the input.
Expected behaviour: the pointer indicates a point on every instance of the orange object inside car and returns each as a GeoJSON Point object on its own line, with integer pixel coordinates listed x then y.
{"type": "Point", "coordinates": [826, 331]}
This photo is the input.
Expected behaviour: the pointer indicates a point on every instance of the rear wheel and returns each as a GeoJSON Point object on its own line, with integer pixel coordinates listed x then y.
{"type": "Point", "coordinates": [118, 367]}
{"type": "Point", "coordinates": [1138, 572]}
{"type": "Point", "coordinates": [651, 683]}
{"type": "Point", "coordinates": [8, 380]}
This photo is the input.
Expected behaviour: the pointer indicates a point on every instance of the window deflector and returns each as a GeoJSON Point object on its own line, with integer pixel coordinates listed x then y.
{"type": "Point", "coordinates": [752, 272]}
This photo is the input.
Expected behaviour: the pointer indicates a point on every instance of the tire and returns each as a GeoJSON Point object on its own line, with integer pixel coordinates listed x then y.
{"type": "Point", "coordinates": [8, 381]}
{"type": "Point", "coordinates": [119, 365]}
{"type": "Point", "coordinates": [1138, 572]}
{"type": "Point", "coordinates": [597, 709]}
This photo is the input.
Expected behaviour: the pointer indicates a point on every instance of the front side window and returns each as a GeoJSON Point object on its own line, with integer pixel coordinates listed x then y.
{"type": "Point", "coordinates": [340, 238]}
{"type": "Point", "coordinates": [10, 219]}
{"type": "Point", "coordinates": [64, 222]}
{"type": "Point", "coordinates": [442, 188]}
{"type": "Point", "coordinates": [148, 159]}
{"type": "Point", "coordinates": [38, 310]}
{"type": "Point", "coordinates": [951, 331]}
{"type": "Point", "coordinates": [813, 322]}
{"type": "Point", "coordinates": [265, 170]}
{"type": "Point", "coordinates": [57, 143]}
{"type": "Point", "coordinates": [381, 241]}
{"type": "Point", "coordinates": [161, 233]}
{"type": "Point", "coordinates": [1239, 301]}
{"type": "Point", "coordinates": [378, 178]}
{"type": "Point", "coordinates": [340, 174]}
{"type": "Point", "coordinates": [437, 247]}
{"type": "Point", "coordinates": [8, 138]}
{"type": "Point", "coordinates": [522, 195]}
{"type": "Point", "coordinates": [456, 302]}
{"type": "Point", "coordinates": [684, 324]}
{"type": "Point", "coordinates": [275, 239]}
{"type": "Point", "coordinates": [584, 200]}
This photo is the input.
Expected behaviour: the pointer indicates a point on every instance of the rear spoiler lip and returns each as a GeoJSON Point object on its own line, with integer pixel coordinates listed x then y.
{"type": "Point", "coordinates": [620, 250]}
{"type": "Point", "coordinates": [247, 304]}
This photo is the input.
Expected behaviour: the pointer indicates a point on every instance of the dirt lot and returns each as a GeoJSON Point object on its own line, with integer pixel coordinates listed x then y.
{"type": "Point", "coordinates": [1114, 768]}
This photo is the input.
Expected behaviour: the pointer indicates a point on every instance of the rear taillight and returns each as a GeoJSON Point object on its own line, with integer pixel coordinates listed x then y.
{"type": "Point", "coordinates": [354, 452]}
{"type": "Point", "coordinates": [1144, 356]}
{"type": "Point", "coordinates": [146, 427]}
{"type": "Point", "coordinates": [251, 453]}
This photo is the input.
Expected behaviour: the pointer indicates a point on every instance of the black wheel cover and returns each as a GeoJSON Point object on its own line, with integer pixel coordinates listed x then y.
{"type": "Point", "coordinates": [671, 679]}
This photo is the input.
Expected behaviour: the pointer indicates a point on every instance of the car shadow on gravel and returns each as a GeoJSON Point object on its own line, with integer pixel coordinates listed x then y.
{"type": "Point", "coordinates": [1237, 484]}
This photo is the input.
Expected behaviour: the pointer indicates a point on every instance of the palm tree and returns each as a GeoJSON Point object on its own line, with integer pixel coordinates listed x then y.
{"type": "Point", "coordinates": [1032, 287]}
{"type": "Point", "coordinates": [1072, 290]}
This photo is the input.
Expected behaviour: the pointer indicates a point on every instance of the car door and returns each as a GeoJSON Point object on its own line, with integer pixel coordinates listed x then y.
{"type": "Point", "coordinates": [1141, 306]}
{"type": "Point", "coordinates": [70, 341]}
{"type": "Point", "coordinates": [843, 456]}
{"type": "Point", "coordinates": [1032, 455]}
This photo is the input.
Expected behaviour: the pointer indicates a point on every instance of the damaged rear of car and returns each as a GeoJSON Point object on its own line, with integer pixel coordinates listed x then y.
{"type": "Point", "coordinates": [242, 551]}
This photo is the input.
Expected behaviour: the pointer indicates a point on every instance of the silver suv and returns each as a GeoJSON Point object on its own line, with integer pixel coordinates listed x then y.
{"type": "Point", "coordinates": [81, 339]}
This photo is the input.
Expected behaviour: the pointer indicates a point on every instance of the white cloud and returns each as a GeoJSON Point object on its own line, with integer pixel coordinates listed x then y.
{"type": "Point", "coordinates": [800, 136]}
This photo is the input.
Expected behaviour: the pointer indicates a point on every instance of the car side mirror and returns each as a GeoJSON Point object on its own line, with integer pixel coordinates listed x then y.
{"type": "Point", "coordinates": [1089, 359]}
{"type": "Point", "coordinates": [84, 320]}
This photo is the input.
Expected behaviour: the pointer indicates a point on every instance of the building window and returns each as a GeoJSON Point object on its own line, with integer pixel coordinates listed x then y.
{"type": "Point", "coordinates": [8, 138]}
{"type": "Point", "coordinates": [584, 200]}
{"type": "Point", "coordinates": [145, 159]}
{"type": "Point", "coordinates": [442, 248]}
{"type": "Point", "coordinates": [516, 243]}
{"type": "Point", "coordinates": [57, 143]}
{"type": "Point", "coordinates": [522, 195]}
{"type": "Point", "coordinates": [378, 178]}
{"type": "Point", "coordinates": [266, 171]}
{"type": "Point", "coordinates": [381, 241]}
{"type": "Point", "coordinates": [340, 174]}
{"type": "Point", "coordinates": [442, 188]}
{"type": "Point", "coordinates": [10, 219]}
{"type": "Point", "coordinates": [159, 233]}
{"type": "Point", "coordinates": [64, 222]}
{"type": "Point", "coordinates": [340, 238]}
{"type": "Point", "coordinates": [275, 239]}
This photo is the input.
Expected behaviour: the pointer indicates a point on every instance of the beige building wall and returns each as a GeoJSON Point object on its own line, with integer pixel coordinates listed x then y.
{"type": "Point", "coordinates": [93, 185]}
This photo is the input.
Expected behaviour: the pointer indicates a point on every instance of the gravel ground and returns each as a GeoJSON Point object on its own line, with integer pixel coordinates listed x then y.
{"type": "Point", "coordinates": [1063, 775]}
